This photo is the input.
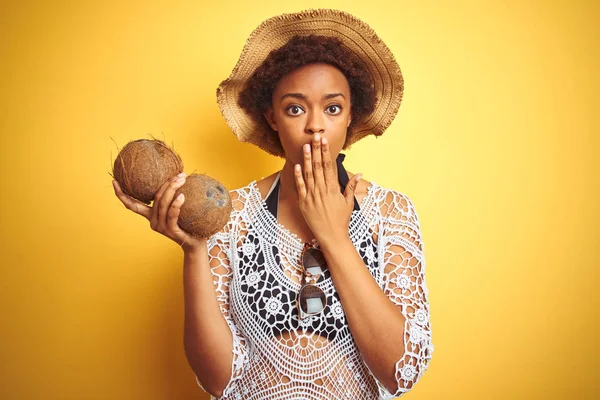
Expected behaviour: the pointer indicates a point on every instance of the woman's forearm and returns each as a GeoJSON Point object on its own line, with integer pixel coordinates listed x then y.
{"type": "Point", "coordinates": [377, 324]}
{"type": "Point", "coordinates": [207, 337]}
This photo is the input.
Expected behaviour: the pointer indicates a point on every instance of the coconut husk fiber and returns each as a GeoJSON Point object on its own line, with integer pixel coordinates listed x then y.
{"type": "Point", "coordinates": [143, 166]}
{"type": "Point", "coordinates": [206, 208]}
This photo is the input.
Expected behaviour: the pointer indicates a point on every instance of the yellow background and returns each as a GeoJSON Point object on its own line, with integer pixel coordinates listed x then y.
{"type": "Point", "coordinates": [496, 142]}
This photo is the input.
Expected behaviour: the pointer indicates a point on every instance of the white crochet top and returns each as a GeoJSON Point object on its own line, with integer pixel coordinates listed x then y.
{"type": "Point", "coordinates": [255, 263]}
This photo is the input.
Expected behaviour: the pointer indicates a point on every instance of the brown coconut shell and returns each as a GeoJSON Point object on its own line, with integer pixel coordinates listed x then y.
{"type": "Point", "coordinates": [143, 166]}
{"type": "Point", "coordinates": [206, 208]}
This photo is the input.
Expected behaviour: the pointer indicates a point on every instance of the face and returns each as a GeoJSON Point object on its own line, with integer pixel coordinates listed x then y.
{"type": "Point", "coordinates": [312, 99]}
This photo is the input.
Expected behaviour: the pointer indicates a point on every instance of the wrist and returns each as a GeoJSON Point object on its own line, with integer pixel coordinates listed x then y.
{"type": "Point", "coordinates": [334, 240]}
{"type": "Point", "coordinates": [196, 248]}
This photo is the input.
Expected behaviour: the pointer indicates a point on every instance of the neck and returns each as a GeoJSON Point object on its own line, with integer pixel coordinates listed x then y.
{"type": "Point", "coordinates": [287, 186]}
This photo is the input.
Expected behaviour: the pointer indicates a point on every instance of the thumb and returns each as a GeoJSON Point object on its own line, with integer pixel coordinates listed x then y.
{"type": "Point", "coordinates": [351, 189]}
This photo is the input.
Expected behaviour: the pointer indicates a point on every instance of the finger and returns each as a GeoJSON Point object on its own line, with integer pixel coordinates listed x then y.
{"type": "Point", "coordinates": [317, 165]}
{"type": "Point", "coordinates": [165, 201]}
{"type": "Point", "coordinates": [309, 180]}
{"type": "Point", "coordinates": [155, 217]}
{"type": "Point", "coordinates": [331, 181]}
{"type": "Point", "coordinates": [163, 188]}
{"type": "Point", "coordinates": [130, 203]}
{"type": "Point", "coordinates": [351, 189]}
{"type": "Point", "coordinates": [173, 216]}
{"type": "Point", "coordinates": [299, 181]}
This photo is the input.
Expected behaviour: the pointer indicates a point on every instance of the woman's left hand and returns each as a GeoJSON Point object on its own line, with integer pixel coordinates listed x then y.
{"type": "Point", "coordinates": [326, 211]}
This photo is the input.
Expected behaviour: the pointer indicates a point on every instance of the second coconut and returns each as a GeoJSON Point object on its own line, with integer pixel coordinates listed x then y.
{"type": "Point", "coordinates": [206, 208]}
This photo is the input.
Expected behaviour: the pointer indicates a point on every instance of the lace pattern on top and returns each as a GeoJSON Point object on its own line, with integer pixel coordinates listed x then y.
{"type": "Point", "coordinates": [283, 357]}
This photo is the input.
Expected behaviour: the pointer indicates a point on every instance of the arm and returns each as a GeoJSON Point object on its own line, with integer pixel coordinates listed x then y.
{"type": "Point", "coordinates": [215, 350]}
{"type": "Point", "coordinates": [391, 326]}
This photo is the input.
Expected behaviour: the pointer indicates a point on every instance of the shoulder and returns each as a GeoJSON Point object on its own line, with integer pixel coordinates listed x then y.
{"type": "Point", "coordinates": [265, 184]}
{"type": "Point", "coordinates": [239, 199]}
{"type": "Point", "coordinates": [397, 205]}
{"type": "Point", "coordinates": [240, 196]}
{"type": "Point", "coordinates": [392, 203]}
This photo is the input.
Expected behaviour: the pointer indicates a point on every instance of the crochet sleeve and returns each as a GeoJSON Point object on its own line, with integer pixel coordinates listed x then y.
{"type": "Point", "coordinates": [402, 251]}
{"type": "Point", "coordinates": [220, 254]}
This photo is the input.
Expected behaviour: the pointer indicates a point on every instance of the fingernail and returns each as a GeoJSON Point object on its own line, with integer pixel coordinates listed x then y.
{"type": "Point", "coordinates": [307, 148]}
{"type": "Point", "coordinates": [317, 137]}
{"type": "Point", "coordinates": [324, 140]}
{"type": "Point", "coordinates": [359, 177]}
{"type": "Point", "coordinates": [181, 175]}
{"type": "Point", "coordinates": [180, 197]}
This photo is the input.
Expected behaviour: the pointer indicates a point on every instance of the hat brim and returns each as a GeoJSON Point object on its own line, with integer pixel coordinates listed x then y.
{"type": "Point", "coordinates": [274, 32]}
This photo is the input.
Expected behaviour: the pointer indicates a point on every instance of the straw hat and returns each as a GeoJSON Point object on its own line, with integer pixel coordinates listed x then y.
{"type": "Point", "coordinates": [273, 33]}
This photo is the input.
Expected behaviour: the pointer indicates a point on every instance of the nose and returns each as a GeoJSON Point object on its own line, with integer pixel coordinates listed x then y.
{"type": "Point", "coordinates": [315, 123]}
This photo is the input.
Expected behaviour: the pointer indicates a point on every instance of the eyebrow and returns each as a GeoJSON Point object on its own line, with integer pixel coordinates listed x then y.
{"type": "Point", "coordinates": [303, 97]}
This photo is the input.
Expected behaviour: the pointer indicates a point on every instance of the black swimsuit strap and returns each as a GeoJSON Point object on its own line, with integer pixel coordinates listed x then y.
{"type": "Point", "coordinates": [343, 178]}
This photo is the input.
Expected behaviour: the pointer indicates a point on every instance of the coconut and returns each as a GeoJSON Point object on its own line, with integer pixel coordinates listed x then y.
{"type": "Point", "coordinates": [143, 166]}
{"type": "Point", "coordinates": [206, 208]}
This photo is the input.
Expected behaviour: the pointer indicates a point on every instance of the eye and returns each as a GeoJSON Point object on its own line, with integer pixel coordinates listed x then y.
{"type": "Point", "coordinates": [294, 110]}
{"type": "Point", "coordinates": [334, 109]}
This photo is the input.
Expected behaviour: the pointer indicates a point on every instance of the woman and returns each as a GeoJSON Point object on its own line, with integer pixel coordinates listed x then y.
{"type": "Point", "coordinates": [319, 275]}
